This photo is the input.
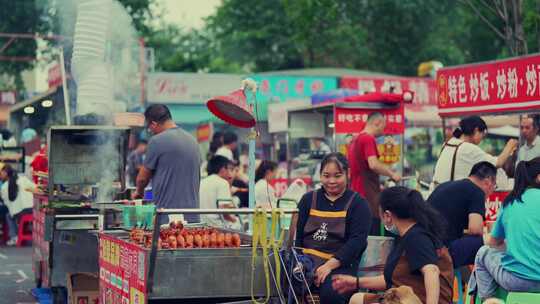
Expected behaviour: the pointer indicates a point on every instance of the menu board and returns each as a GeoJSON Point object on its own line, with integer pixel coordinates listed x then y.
{"type": "Point", "coordinates": [122, 271]}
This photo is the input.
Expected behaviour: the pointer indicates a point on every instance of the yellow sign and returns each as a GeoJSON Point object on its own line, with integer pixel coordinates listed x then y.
{"type": "Point", "coordinates": [389, 151]}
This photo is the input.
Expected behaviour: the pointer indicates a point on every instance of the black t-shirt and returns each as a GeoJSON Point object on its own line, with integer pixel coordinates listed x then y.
{"type": "Point", "coordinates": [243, 196]}
{"type": "Point", "coordinates": [455, 200]}
{"type": "Point", "coordinates": [358, 222]}
{"type": "Point", "coordinates": [420, 249]}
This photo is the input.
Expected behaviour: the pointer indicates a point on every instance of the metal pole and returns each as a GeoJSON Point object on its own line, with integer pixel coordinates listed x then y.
{"type": "Point", "coordinates": [216, 211]}
{"type": "Point", "coordinates": [251, 168]}
{"type": "Point", "coordinates": [65, 88]}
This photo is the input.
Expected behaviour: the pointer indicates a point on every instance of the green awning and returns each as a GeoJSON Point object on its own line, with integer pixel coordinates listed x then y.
{"type": "Point", "coordinates": [190, 114]}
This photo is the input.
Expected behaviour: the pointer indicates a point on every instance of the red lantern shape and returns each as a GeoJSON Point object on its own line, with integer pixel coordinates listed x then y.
{"type": "Point", "coordinates": [232, 109]}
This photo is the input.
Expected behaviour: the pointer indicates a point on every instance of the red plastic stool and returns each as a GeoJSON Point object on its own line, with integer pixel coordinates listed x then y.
{"type": "Point", "coordinates": [5, 232]}
{"type": "Point", "coordinates": [25, 235]}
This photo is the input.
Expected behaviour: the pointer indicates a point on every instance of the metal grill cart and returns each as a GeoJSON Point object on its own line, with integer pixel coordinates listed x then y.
{"type": "Point", "coordinates": [86, 175]}
{"type": "Point", "coordinates": [338, 120]}
{"type": "Point", "coordinates": [502, 87]}
{"type": "Point", "coordinates": [133, 273]}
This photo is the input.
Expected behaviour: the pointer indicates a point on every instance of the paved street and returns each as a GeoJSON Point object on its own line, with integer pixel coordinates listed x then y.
{"type": "Point", "coordinates": [16, 278]}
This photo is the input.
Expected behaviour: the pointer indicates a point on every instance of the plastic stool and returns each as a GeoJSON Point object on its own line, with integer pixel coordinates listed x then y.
{"type": "Point", "coordinates": [523, 298]}
{"type": "Point", "coordinates": [458, 278]}
{"type": "Point", "coordinates": [26, 219]}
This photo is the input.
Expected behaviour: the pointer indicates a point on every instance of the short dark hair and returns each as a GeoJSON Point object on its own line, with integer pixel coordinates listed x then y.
{"type": "Point", "coordinates": [374, 115]}
{"type": "Point", "coordinates": [157, 113]}
{"type": "Point", "coordinates": [143, 142]}
{"type": "Point", "coordinates": [216, 163]}
{"type": "Point", "coordinates": [229, 138]}
{"type": "Point", "coordinates": [483, 170]}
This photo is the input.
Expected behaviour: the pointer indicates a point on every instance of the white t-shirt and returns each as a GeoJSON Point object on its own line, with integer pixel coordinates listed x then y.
{"type": "Point", "coordinates": [212, 189]}
{"type": "Point", "coordinates": [226, 152]}
{"type": "Point", "coordinates": [265, 195]}
{"type": "Point", "coordinates": [467, 156]}
{"type": "Point", "coordinates": [24, 199]}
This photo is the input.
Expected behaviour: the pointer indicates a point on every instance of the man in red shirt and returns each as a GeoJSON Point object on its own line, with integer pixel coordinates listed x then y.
{"type": "Point", "coordinates": [366, 167]}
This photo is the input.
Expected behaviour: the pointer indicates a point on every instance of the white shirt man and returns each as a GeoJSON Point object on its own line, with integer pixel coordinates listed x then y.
{"type": "Point", "coordinates": [531, 147]}
{"type": "Point", "coordinates": [215, 188]}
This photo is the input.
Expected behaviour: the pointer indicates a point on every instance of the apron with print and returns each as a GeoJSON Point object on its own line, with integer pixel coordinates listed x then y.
{"type": "Point", "coordinates": [324, 233]}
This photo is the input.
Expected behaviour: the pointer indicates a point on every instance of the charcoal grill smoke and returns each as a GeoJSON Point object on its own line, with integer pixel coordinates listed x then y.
{"type": "Point", "coordinates": [105, 66]}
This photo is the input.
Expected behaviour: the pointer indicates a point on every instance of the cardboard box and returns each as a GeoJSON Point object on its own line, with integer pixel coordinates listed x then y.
{"type": "Point", "coordinates": [83, 288]}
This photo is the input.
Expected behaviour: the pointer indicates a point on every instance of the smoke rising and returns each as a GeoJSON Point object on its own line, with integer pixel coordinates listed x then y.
{"type": "Point", "coordinates": [105, 58]}
{"type": "Point", "coordinates": [105, 66]}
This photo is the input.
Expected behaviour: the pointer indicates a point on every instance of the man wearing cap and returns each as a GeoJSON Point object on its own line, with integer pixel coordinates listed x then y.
{"type": "Point", "coordinates": [172, 162]}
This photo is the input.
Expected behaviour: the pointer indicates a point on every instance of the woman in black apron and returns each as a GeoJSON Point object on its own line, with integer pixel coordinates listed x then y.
{"type": "Point", "coordinates": [332, 227]}
{"type": "Point", "coordinates": [418, 260]}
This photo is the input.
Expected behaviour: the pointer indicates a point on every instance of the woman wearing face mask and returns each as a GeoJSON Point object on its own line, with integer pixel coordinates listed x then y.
{"type": "Point", "coordinates": [332, 226]}
{"type": "Point", "coordinates": [461, 152]}
{"type": "Point", "coordinates": [516, 267]}
{"type": "Point", "coordinates": [418, 260]}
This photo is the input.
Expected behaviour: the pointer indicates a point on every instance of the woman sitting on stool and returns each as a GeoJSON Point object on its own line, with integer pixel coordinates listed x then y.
{"type": "Point", "coordinates": [332, 227]}
{"type": "Point", "coordinates": [18, 198]}
{"type": "Point", "coordinates": [516, 268]}
{"type": "Point", "coordinates": [418, 260]}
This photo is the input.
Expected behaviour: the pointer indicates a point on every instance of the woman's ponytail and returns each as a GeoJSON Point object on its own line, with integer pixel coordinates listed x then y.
{"type": "Point", "coordinates": [457, 133]}
{"type": "Point", "coordinates": [13, 188]}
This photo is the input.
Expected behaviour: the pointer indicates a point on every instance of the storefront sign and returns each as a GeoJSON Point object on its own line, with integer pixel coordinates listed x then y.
{"type": "Point", "coordinates": [189, 88]}
{"type": "Point", "coordinates": [280, 88]}
{"type": "Point", "coordinates": [505, 85]}
{"type": "Point", "coordinates": [8, 98]}
{"type": "Point", "coordinates": [55, 76]}
{"type": "Point", "coordinates": [352, 121]}
{"type": "Point", "coordinates": [425, 90]}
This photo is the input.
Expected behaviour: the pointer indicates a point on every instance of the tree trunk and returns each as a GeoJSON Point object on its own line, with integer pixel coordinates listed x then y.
{"type": "Point", "coordinates": [519, 35]}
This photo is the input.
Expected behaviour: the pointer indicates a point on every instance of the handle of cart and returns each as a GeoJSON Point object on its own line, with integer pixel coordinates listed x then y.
{"type": "Point", "coordinates": [161, 211]}
{"type": "Point", "coordinates": [99, 217]}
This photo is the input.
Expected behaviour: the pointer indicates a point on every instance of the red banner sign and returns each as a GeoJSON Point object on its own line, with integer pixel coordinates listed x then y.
{"type": "Point", "coordinates": [352, 121]}
{"type": "Point", "coordinates": [55, 76]}
{"type": "Point", "coordinates": [425, 90]}
{"type": "Point", "coordinates": [494, 87]}
{"type": "Point", "coordinates": [493, 203]}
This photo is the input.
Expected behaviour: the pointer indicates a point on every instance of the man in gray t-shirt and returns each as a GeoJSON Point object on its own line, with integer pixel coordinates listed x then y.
{"type": "Point", "coordinates": [172, 163]}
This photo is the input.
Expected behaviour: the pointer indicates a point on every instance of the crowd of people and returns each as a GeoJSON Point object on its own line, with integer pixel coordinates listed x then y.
{"type": "Point", "coordinates": [434, 236]}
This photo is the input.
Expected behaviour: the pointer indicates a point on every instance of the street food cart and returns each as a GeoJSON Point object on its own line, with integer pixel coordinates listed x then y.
{"type": "Point", "coordinates": [76, 200]}
{"type": "Point", "coordinates": [499, 87]}
{"type": "Point", "coordinates": [337, 120]}
{"type": "Point", "coordinates": [137, 267]}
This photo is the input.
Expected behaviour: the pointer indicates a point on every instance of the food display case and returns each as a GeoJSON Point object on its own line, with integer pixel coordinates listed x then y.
{"type": "Point", "coordinates": [86, 165]}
